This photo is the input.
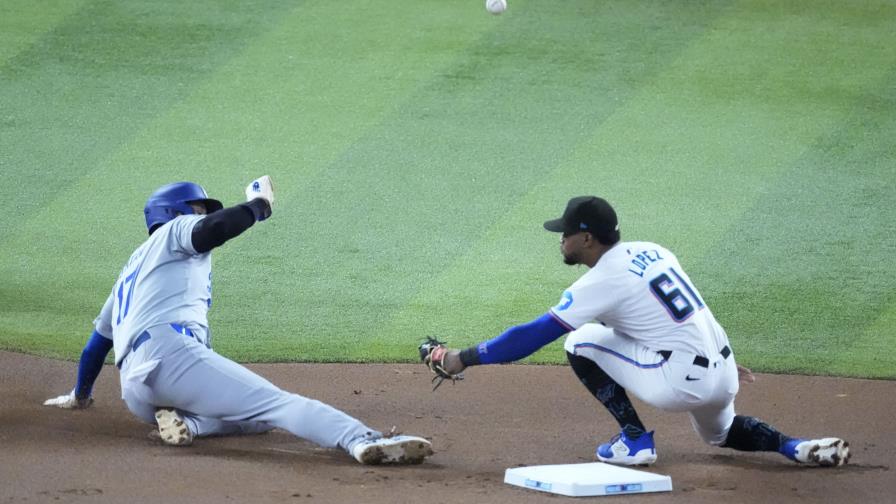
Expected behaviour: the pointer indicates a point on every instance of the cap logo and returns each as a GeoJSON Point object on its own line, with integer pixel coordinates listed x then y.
{"type": "Point", "coordinates": [582, 225]}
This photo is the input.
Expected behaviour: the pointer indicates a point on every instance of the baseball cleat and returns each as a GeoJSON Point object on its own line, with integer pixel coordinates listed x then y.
{"type": "Point", "coordinates": [392, 450]}
{"type": "Point", "coordinates": [826, 452]}
{"type": "Point", "coordinates": [172, 428]}
{"type": "Point", "coordinates": [621, 450]}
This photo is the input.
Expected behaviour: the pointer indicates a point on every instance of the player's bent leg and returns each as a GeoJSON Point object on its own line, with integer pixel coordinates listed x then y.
{"type": "Point", "coordinates": [135, 398]}
{"type": "Point", "coordinates": [183, 377]}
{"type": "Point", "coordinates": [717, 425]}
{"type": "Point", "coordinates": [140, 400]}
{"type": "Point", "coordinates": [712, 423]}
{"type": "Point", "coordinates": [206, 427]}
{"type": "Point", "coordinates": [248, 396]}
{"type": "Point", "coordinates": [137, 395]}
{"type": "Point", "coordinates": [748, 433]}
{"type": "Point", "coordinates": [633, 445]}
{"type": "Point", "coordinates": [608, 392]}
{"type": "Point", "coordinates": [636, 368]}
{"type": "Point", "coordinates": [751, 434]}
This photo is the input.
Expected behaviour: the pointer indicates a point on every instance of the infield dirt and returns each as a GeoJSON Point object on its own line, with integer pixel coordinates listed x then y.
{"type": "Point", "coordinates": [500, 417]}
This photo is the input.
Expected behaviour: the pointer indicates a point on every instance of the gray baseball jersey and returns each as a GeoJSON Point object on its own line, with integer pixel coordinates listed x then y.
{"type": "Point", "coordinates": [167, 282]}
{"type": "Point", "coordinates": [164, 281]}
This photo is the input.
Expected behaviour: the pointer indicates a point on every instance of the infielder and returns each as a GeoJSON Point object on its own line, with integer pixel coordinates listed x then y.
{"type": "Point", "coordinates": [637, 323]}
{"type": "Point", "coordinates": [155, 318]}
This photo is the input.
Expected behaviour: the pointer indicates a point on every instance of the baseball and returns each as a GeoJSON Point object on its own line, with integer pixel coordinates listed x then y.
{"type": "Point", "coordinates": [496, 6]}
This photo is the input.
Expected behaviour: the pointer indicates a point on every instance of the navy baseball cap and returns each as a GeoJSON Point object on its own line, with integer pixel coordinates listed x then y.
{"type": "Point", "coordinates": [591, 214]}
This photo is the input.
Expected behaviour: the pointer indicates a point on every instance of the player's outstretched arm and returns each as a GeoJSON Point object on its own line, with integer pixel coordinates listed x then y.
{"type": "Point", "coordinates": [218, 227]}
{"type": "Point", "coordinates": [513, 344]}
{"type": "Point", "coordinates": [89, 368]}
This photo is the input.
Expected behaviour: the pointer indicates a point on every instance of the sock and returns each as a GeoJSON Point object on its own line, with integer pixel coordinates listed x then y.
{"type": "Point", "coordinates": [609, 393]}
{"type": "Point", "coordinates": [751, 434]}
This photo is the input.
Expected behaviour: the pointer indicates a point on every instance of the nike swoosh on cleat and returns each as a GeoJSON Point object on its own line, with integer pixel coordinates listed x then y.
{"type": "Point", "coordinates": [688, 378]}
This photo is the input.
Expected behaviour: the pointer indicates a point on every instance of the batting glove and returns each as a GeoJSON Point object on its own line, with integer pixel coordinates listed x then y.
{"type": "Point", "coordinates": [69, 401]}
{"type": "Point", "coordinates": [261, 188]}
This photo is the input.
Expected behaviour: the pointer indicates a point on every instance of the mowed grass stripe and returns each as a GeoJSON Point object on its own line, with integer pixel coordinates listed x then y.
{"type": "Point", "coordinates": [420, 192]}
{"type": "Point", "coordinates": [71, 99]}
{"type": "Point", "coordinates": [347, 245]}
{"type": "Point", "coordinates": [306, 116]}
{"type": "Point", "coordinates": [324, 299]}
{"type": "Point", "coordinates": [334, 229]}
{"type": "Point", "coordinates": [806, 265]}
{"type": "Point", "coordinates": [488, 277]}
{"type": "Point", "coordinates": [83, 89]}
{"type": "Point", "coordinates": [22, 22]}
{"type": "Point", "coordinates": [298, 96]}
{"type": "Point", "coordinates": [874, 343]}
{"type": "Point", "coordinates": [256, 114]}
{"type": "Point", "coordinates": [363, 234]}
{"type": "Point", "coordinates": [678, 162]}
{"type": "Point", "coordinates": [830, 290]}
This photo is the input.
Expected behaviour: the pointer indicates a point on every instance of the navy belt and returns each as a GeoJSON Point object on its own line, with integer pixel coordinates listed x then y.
{"type": "Point", "coordinates": [143, 338]}
{"type": "Point", "coordinates": [699, 360]}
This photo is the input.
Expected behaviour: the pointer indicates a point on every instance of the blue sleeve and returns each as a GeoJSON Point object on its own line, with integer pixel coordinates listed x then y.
{"type": "Point", "coordinates": [91, 364]}
{"type": "Point", "coordinates": [521, 341]}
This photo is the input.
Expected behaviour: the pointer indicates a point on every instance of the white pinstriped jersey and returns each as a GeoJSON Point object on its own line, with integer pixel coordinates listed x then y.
{"type": "Point", "coordinates": [641, 291]}
{"type": "Point", "coordinates": [164, 281]}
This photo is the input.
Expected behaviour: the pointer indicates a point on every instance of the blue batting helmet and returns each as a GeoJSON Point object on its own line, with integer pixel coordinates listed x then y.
{"type": "Point", "coordinates": [172, 200]}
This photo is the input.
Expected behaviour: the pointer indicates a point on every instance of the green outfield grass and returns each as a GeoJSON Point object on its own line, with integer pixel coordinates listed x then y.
{"type": "Point", "coordinates": [416, 148]}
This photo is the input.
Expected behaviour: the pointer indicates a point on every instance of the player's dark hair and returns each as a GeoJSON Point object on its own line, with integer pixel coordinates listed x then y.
{"type": "Point", "coordinates": [610, 238]}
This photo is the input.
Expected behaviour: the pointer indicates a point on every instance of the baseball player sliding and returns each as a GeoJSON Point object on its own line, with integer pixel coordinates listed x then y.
{"type": "Point", "coordinates": [637, 323]}
{"type": "Point", "coordinates": [155, 318]}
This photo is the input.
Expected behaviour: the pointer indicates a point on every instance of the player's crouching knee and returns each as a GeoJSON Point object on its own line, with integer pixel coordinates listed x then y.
{"type": "Point", "coordinates": [568, 346]}
{"type": "Point", "coordinates": [575, 339]}
{"type": "Point", "coordinates": [714, 435]}
{"type": "Point", "coordinates": [713, 438]}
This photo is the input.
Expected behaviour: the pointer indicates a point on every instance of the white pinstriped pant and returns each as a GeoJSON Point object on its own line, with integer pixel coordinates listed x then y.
{"type": "Point", "coordinates": [676, 384]}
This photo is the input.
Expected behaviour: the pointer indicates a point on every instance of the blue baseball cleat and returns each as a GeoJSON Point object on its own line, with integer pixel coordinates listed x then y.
{"type": "Point", "coordinates": [621, 450]}
{"type": "Point", "coordinates": [826, 452]}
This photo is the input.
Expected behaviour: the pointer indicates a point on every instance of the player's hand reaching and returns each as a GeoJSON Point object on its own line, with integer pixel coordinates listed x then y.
{"type": "Point", "coordinates": [260, 195]}
{"type": "Point", "coordinates": [442, 361]}
{"type": "Point", "coordinates": [69, 401]}
{"type": "Point", "coordinates": [261, 187]}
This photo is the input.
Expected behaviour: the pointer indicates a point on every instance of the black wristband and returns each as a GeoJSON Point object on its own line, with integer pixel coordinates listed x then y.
{"type": "Point", "coordinates": [470, 356]}
{"type": "Point", "coordinates": [259, 207]}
